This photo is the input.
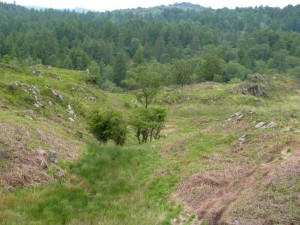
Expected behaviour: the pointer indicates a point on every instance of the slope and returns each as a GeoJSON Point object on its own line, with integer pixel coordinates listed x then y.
{"type": "Point", "coordinates": [42, 110]}
{"type": "Point", "coordinates": [232, 170]}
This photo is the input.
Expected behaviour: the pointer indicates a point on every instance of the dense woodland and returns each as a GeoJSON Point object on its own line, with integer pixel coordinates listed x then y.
{"type": "Point", "coordinates": [178, 44]}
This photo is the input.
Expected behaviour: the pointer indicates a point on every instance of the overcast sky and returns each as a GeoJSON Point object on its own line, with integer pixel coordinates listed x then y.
{"type": "Point", "coordinates": [118, 4]}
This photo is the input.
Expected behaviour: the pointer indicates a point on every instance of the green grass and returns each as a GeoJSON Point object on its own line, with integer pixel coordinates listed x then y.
{"type": "Point", "coordinates": [107, 186]}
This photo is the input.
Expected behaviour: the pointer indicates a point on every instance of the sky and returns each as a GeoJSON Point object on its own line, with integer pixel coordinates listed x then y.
{"type": "Point", "coordinates": [102, 5]}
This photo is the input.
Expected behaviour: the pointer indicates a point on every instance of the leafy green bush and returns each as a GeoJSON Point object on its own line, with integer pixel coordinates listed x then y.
{"type": "Point", "coordinates": [108, 125]}
{"type": "Point", "coordinates": [148, 123]}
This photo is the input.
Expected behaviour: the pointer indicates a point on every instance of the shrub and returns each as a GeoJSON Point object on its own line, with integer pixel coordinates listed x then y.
{"type": "Point", "coordinates": [108, 125]}
{"type": "Point", "coordinates": [148, 123]}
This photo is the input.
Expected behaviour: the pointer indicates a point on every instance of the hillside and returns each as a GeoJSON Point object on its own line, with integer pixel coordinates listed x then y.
{"type": "Point", "coordinates": [42, 110]}
{"type": "Point", "coordinates": [230, 153]}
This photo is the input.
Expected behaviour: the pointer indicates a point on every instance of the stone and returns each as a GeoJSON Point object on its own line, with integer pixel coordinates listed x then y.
{"type": "Point", "coordinates": [43, 165]}
{"type": "Point", "coordinates": [29, 112]}
{"type": "Point", "coordinates": [57, 94]}
{"type": "Point", "coordinates": [244, 91]}
{"type": "Point", "coordinates": [235, 117]}
{"type": "Point", "coordinates": [55, 76]}
{"type": "Point", "coordinates": [90, 98]}
{"type": "Point", "coordinates": [53, 156]}
{"type": "Point", "coordinates": [71, 120]}
{"type": "Point", "coordinates": [253, 89]}
{"type": "Point", "coordinates": [36, 71]}
{"type": "Point", "coordinates": [242, 139]}
{"type": "Point", "coordinates": [271, 124]}
{"type": "Point", "coordinates": [80, 89]}
{"type": "Point", "coordinates": [35, 90]}
{"type": "Point", "coordinates": [60, 174]}
{"type": "Point", "coordinates": [71, 111]}
{"type": "Point", "coordinates": [265, 125]}
{"type": "Point", "coordinates": [260, 124]}
{"type": "Point", "coordinates": [38, 104]}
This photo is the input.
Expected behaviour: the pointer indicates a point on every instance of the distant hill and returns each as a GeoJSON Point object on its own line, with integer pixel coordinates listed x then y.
{"type": "Point", "coordinates": [187, 5]}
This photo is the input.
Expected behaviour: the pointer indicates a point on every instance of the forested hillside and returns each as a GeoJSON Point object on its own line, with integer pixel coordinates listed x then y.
{"type": "Point", "coordinates": [206, 44]}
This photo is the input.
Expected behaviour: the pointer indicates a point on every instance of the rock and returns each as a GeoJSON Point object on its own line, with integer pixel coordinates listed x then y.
{"type": "Point", "coordinates": [80, 89]}
{"type": "Point", "coordinates": [55, 76]}
{"type": "Point", "coordinates": [29, 112]}
{"type": "Point", "coordinates": [57, 94]}
{"type": "Point", "coordinates": [271, 124]}
{"type": "Point", "coordinates": [242, 139]}
{"type": "Point", "coordinates": [253, 89]}
{"type": "Point", "coordinates": [53, 156]}
{"type": "Point", "coordinates": [50, 103]}
{"type": "Point", "coordinates": [265, 125]}
{"type": "Point", "coordinates": [71, 120]}
{"type": "Point", "coordinates": [60, 174]}
{"type": "Point", "coordinates": [71, 111]}
{"type": "Point", "coordinates": [35, 90]}
{"type": "Point", "coordinates": [36, 71]}
{"type": "Point", "coordinates": [260, 124]}
{"type": "Point", "coordinates": [251, 112]}
{"type": "Point", "coordinates": [38, 104]}
{"type": "Point", "coordinates": [43, 165]}
{"type": "Point", "coordinates": [244, 91]}
{"type": "Point", "coordinates": [237, 116]}
{"type": "Point", "coordinates": [90, 98]}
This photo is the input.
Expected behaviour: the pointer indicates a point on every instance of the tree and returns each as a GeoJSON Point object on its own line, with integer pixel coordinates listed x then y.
{"type": "Point", "coordinates": [119, 69]}
{"type": "Point", "coordinates": [279, 61]}
{"type": "Point", "coordinates": [147, 82]}
{"type": "Point", "coordinates": [235, 70]}
{"type": "Point", "coordinates": [93, 72]}
{"type": "Point", "coordinates": [182, 70]}
{"type": "Point", "coordinates": [108, 125]}
{"type": "Point", "coordinates": [159, 47]}
{"type": "Point", "coordinates": [80, 59]}
{"type": "Point", "coordinates": [148, 123]}
{"type": "Point", "coordinates": [67, 63]}
{"type": "Point", "coordinates": [211, 67]}
{"type": "Point", "coordinates": [135, 44]}
{"type": "Point", "coordinates": [139, 57]}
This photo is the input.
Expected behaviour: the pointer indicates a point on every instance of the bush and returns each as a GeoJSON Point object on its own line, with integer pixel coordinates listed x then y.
{"type": "Point", "coordinates": [108, 125]}
{"type": "Point", "coordinates": [148, 123]}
